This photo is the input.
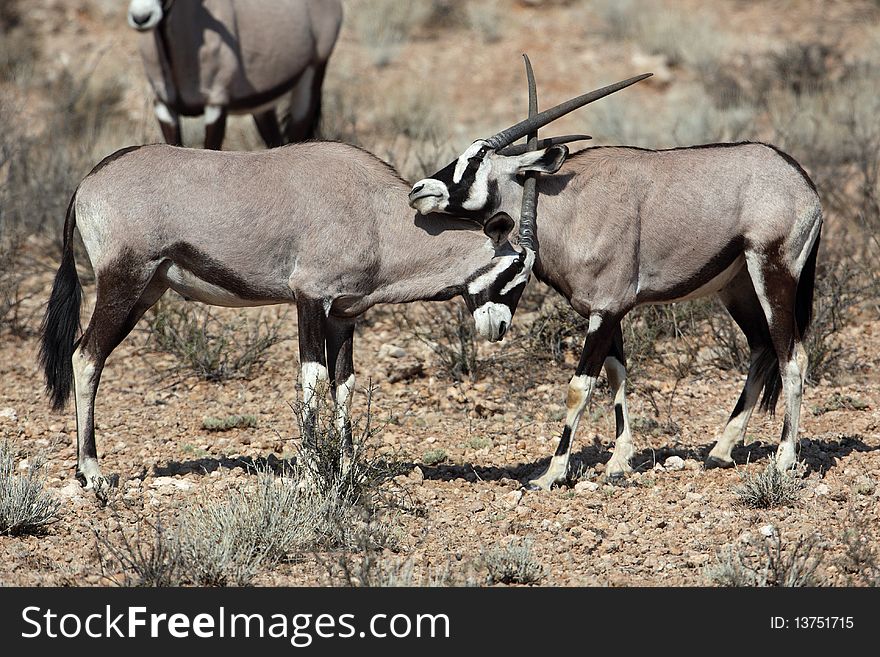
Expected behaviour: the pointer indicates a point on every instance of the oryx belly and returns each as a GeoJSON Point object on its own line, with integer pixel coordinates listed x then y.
{"type": "Point", "coordinates": [715, 284]}
{"type": "Point", "coordinates": [191, 287]}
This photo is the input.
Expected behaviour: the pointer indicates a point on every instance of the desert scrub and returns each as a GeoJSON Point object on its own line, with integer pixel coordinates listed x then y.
{"type": "Point", "coordinates": [208, 346]}
{"type": "Point", "coordinates": [770, 488]}
{"type": "Point", "coordinates": [512, 564]}
{"type": "Point", "coordinates": [434, 456]}
{"type": "Point", "coordinates": [774, 565]}
{"type": "Point", "coordinates": [25, 508]}
{"type": "Point", "coordinates": [149, 557]}
{"type": "Point", "coordinates": [229, 422]}
{"type": "Point", "coordinates": [448, 331]}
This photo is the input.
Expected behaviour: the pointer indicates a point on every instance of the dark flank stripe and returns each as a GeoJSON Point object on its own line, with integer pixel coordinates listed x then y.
{"type": "Point", "coordinates": [564, 442]}
{"type": "Point", "coordinates": [188, 257]}
{"type": "Point", "coordinates": [618, 419]}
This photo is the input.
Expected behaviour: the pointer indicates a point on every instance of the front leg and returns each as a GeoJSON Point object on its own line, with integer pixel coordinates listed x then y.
{"type": "Point", "coordinates": [313, 366]}
{"type": "Point", "coordinates": [215, 126]}
{"type": "Point", "coordinates": [340, 342]}
{"type": "Point", "coordinates": [169, 122]}
{"type": "Point", "coordinates": [580, 390]}
{"type": "Point", "coordinates": [615, 369]}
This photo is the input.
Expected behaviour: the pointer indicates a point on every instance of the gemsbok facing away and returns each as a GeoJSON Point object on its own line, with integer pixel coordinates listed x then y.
{"type": "Point", "coordinates": [213, 57]}
{"type": "Point", "coordinates": [621, 227]}
{"type": "Point", "coordinates": [323, 225]}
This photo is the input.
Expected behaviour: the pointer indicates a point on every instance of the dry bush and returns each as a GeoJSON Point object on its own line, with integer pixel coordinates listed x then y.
{"type": "Point", "coordinates": [384, 26]}
{"type": "Point", "coordinates": [229, 422]}
{"type": "Point", "coordinates": [794, 566]}
{"type": "Point", "coordinates": [25, 508]}
{"type": "Point", "coordinates": [512, 564]}
{"type": "Point", "coordinates": [447, 329]}
{"type": "Point", "coordinates": [770, 488]}
{"type": "Point", "coordinates": [861, 559]}
{"type": "Point", "coordinates": [212, 348]}
{"type": "Point", "coordinates": [151, 557]}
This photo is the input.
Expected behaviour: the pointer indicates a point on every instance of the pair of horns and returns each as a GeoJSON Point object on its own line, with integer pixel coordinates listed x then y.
{"type": "Point", "coordinates": [539, 120]}
{"type": "Point", "coordinates": [529, 127]}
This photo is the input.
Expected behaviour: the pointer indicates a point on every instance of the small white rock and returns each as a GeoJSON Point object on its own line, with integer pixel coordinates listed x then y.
{"type": "Point", "coordinates": [589, 486]}
{"type": "Point", "coordinates": [674, 463]}
{"type": "Point", "coordinates": [768, 531]}
{"type": "Point", "coordinates": [8, 413]}
{"type": "Point", "coordinates": [391, 351]}
{"type": "Point", "coordinates": [822, 489]}
{"type": "Point", "coordinates": [24, 464]}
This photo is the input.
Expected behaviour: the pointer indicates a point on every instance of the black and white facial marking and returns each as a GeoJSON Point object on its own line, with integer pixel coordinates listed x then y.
{"type": "Point", "coordinates": [470, 185]}
{"type": "Point", "coordinates": [144, 15]}
{"type": "Point", "coordinates": [493, 293]}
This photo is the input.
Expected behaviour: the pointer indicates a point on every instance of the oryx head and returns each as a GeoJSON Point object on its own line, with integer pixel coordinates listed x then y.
{"type": "Point", "coordinates": [144, 15]}
{"type": "Point", "coordinates": [493, 292]}
{"type": "Point", "coordinates": [472, 184]}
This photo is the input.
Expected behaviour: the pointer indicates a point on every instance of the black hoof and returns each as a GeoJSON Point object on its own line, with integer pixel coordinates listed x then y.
{"type": "Point", "coordinates": [532, 487]}
{"type": "Point", "coordinates": [715, 462]}
{"type": "Point", "coordinates": [81, 478]}
{"type": "Point", "coordinates": [616, 478]}
{"type": "Point", "coordinates": [113, 481]}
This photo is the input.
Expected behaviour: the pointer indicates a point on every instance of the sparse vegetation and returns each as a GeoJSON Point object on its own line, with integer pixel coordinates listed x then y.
{"type": "Point", "coordinates": [229, 422]}
{"type": "Point", "coordinates": [448, 330]}
{"type": "Point", "coordinates": [793, 566]}
{"type": "Point", "coordinates": [513, 564]}
{"type": "Point", "coordinates": [25, 507]}
{"type": "Point", "coordinates": [434, 456]}
{"type": "Point", "coordinates": [770, 488]}
{"type": "Point", "coordinates": [151, 557]}
{"type": "Point", "coordinates": [210, 347]}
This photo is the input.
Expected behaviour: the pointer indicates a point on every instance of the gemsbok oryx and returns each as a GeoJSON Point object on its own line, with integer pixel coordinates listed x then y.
{"type": "Point", "coordinates": [213, 57]}
{"type": "Point", "coordinates": [622, 226]}
{"type": "Point", "coordinates": [323, 225]}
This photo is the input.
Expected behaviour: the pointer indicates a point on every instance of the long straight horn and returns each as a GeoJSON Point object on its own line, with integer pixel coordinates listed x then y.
{"type": "Point", "coordinates": [521, 129]}
{"type": "Point", "coordinates": [529, 213]}
{"type": "Point", "coordinates": [519, 149]}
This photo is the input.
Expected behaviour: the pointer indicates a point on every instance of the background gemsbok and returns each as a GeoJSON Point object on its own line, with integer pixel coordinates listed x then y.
{"type": "Point", "coordinates": [214, 57]}
{"type": "Point", "coordinates": [620, 227]}
{"type": "Point", "coordinates": [321, 224]}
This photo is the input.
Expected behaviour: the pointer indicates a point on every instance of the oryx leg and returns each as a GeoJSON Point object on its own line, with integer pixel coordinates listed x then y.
{"type": "Point", "coordinates": [340, 339]}
{"type": "Point", "coordinates": [169, 122]}
{"type": "Point", "coordinates": [267, 125]}
{"type": "Point", "coordinates": [776, 288]}
{"type": "Point", "coordinates": [615, 370]}
{"type": "Point", "coordinates": [742, 303]}
{"type": "Point", "coordinates": [301, 119]}
{"type": "Point", "coordinates": [215, 126]}
{"type": "Point", "coordinates": [313, 365]}
{"type": "Point", "coordinates": [580, 389]}
{"type": "Point", "coordinates": [122, 299]}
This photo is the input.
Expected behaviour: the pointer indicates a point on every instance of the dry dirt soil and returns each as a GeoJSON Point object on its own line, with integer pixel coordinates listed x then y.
{"type": "Point", "coordinates": [661, 527]}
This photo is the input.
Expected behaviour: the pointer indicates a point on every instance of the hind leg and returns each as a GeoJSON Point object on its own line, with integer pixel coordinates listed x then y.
{"type": "Point", "coordinates": [121, 302]}
{"type": "Point", "coordinates": [742, 303]}
{"type": "Point", "coordinates": [776, 289]}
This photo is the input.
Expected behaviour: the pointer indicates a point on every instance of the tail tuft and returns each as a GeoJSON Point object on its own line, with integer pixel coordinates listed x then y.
{"type": "Point", "coordinates": [60, 326]}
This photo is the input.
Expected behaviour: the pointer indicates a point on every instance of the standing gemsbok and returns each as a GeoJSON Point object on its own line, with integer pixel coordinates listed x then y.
{"type": "Point", "coordinates": [320, 224]}
{"type": "Point", "coordinates": [213, 57]}
{"type": "Point", "coordinates": [621, 226]}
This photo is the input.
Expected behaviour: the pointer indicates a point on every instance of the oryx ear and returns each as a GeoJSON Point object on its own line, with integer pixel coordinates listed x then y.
{"type": "Point", "coordinates": [546, 161]}
{"type": "Point", "coordinates": [498, 227]}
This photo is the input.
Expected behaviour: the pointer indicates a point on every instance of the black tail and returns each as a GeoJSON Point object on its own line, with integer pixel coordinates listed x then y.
{"type": "Point", "coordinates": [768, 364]}
{"type": "Point", "coordinates": [61, 324]}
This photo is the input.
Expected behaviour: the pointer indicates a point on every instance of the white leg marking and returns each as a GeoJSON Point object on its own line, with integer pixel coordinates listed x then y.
{"type": "Point", "coordinates": [343, 403]}
{"type": "Point", "coordinates": [84, 385]}
{"type": "Point", "coordinates": [580, 389]}
{"type": "Point", "coordinates": [314, 380]}
{"type": "Point", "coordinates": [163, 114]}
{"type": "Point", "coordinates": [792, 386]}
{"type": "Point", "coordinates": [619, 464]}
{"type": "Point", "coordinates": [212, 113]}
